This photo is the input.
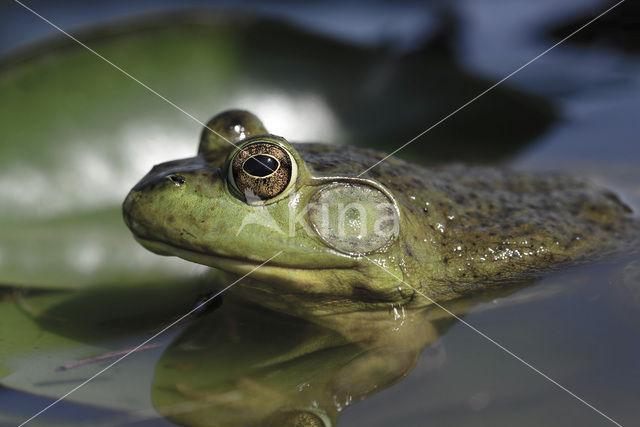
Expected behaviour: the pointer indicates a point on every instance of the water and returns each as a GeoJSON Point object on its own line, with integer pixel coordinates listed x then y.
{"type": "Point", "coordinates": [579, 327]}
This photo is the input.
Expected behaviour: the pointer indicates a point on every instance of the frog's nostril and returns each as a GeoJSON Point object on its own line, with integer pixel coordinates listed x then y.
{"type": "Point", "coordinates": [177, 180]}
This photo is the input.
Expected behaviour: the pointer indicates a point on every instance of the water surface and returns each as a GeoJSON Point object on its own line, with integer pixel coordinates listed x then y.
{"type": "Point", "coordinates": [579, 326]}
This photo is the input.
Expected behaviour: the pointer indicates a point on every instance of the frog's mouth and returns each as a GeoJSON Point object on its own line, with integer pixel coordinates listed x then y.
{"type": "Point", "coordinates": [341, 285]}
{"type": "Point", "coordinates": [272, 268]}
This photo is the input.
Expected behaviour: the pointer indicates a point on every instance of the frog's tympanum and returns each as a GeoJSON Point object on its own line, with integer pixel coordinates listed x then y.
{"type": "Point", "coordinates": [332, 230]}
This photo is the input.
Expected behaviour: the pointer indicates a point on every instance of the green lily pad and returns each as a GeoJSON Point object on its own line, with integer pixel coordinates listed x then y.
{"type": "Point", "coordinates": [80, 250]}
{"type": "Point", "coordinates": [52, 341]}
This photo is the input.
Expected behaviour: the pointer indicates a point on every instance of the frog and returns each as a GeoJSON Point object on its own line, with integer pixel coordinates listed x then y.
{"type": "Point", "coordinates": [315, 229]}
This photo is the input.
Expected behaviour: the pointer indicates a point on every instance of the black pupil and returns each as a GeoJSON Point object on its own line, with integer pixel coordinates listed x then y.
{"type": "Point", "coordinates": [260, 165]}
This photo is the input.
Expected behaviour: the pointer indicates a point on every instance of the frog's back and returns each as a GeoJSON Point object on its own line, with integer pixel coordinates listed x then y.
{"type": "Point", "coordinates": [467, 225]}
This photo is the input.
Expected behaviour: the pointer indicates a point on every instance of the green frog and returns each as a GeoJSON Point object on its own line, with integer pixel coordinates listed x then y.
{"type": "Point", "coordinates": [322, 232]}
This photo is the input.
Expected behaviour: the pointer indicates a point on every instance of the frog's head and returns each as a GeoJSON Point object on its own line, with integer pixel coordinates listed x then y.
{"type": "Point", "coordinates": [249, 198]}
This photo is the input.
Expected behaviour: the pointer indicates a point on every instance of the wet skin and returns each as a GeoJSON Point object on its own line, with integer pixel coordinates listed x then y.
{"type": "Point", "coordinates": [445, 231]}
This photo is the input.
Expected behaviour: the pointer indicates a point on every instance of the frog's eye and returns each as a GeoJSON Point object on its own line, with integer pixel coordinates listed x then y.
{"type": "Point", "coordinates": [263, 170]}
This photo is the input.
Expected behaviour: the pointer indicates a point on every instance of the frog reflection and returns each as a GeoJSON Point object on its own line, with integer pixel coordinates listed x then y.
{"type": "Point", "coordinates": [245, 365]}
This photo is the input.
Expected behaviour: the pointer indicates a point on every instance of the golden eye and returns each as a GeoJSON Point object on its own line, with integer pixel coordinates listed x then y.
{"type": "Point", "coordinates": [261, 170]}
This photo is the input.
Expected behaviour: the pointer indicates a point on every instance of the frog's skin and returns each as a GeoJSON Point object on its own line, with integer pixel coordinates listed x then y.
{"type": "Point", "coordinates": [459, 228]}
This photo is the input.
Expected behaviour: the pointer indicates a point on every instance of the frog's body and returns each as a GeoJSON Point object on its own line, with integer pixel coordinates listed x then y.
{"type": "Point", "coordinates": [443, 231]}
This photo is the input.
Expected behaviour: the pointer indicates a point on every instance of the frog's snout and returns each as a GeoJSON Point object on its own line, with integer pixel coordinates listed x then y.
{"type": "Point", "coordinates": [161, 206]}
{"type": "Point", "coordinates": [127, 211]}
{"type": "Point", "coordinates": [150, 203]}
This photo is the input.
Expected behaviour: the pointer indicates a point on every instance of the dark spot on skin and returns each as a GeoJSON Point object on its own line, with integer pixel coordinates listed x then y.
{"type": "Point", "coordinates": [409, 252]}
{"type": "Point", "coordinates": [415, 183]}
{"type": "Point", "coordinates": [185, 231]}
